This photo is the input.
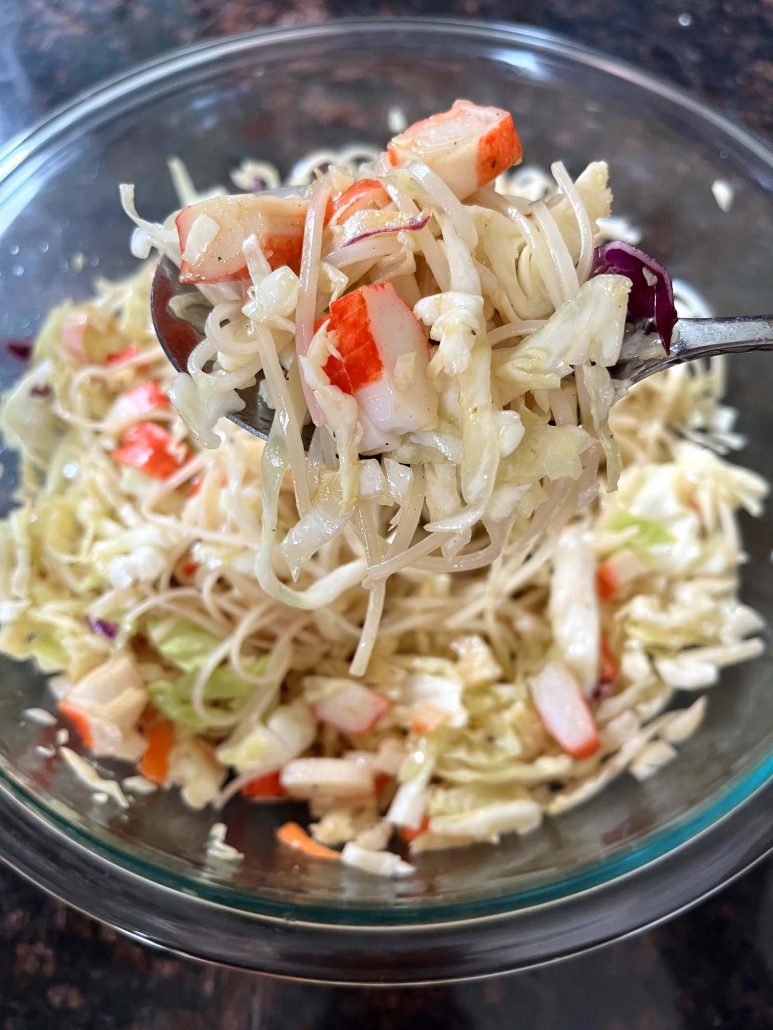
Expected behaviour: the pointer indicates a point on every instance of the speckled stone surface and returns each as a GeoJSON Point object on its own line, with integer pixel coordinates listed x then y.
{"type": "Point", "coordinates": [710, 968]}
{"type": "Point", "coordinates": [722, 50]}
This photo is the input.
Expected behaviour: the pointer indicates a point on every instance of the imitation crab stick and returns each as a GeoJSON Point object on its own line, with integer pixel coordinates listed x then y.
{"type": "Point", "coordinates": [306, 778]}
{"type": "Point", "coordinates": [409, 834]}
{"type": "Point", "coordinates": [213, 232]}
{"type": "Point", "coordinates": [617, 572]}
{"type": "Point", "coordinates": [467, 146]}
{"type": "Point", "coordinates": [294, 836]}
{"type": "Point", "coordinates": [607, 584]}
{"type": "Point", "coordinates": [382, 357]}
{"type": "Point", "coordinates": [118, 357]}
{"type": "Point", "coordinates": [146, 396]}
{"type": "Point", "coordinates": [427, 717]}
{"type": "Point", "coordinates": [365, 195]}
{"type": "Point", "coordinates": [140, 400]}
{"type": "Point", "coordinates": [355, 709]}
{"type": "Point", "coordinates": [564, 710]}
{"type": "Point", "coordinates": [148, 447]}
{"type": "Point", "coordinates": [80, 721]}
{"type": "Point", "coordinates": [74, 336]}
{"type": "Point", "coordinates": [104, 706]}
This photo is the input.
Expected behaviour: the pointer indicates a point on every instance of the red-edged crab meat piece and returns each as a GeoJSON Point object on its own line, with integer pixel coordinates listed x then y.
{"type": "Point", "coordinates": [466, 146]}
{"type": "Point", "coordinates": [213, 232]}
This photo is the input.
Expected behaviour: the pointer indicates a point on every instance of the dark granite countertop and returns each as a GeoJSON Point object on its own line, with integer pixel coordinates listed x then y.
{"type": "Point", "coordinates": [708, 968]}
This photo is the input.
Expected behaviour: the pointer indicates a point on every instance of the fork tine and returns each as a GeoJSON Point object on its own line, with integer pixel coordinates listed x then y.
{"type": "Point", "coordinates": [178, 338]}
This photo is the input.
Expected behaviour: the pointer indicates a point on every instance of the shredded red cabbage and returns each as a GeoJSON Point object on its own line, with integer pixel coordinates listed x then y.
{"type": "Point", "coordinates": [602, 690]}
{"type": "Point", "coordinates": [102, 627]}
{"type": "Point", "coordinates": [410, 224]}
{"type": "Point", "coordinates": [19, 349]}
{"type": "Point", "coordinates": [654, 299]}
{"type": "Point", "coordinates": [40, 390]}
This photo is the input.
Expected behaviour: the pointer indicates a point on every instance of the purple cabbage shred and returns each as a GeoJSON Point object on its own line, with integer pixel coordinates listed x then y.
{"type": "Point", "coordinates": [651, 296]}
{"type": "Point", "coordinates": [409, 225]}
{"type": "Point", "coordinates": [19, 349]}
{"type": "Point", "coordinates": [102, 627]}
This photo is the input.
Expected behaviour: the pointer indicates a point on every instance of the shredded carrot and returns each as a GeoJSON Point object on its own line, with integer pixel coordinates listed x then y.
{"type": "Point", "coordinates": [294, 836]}
{"type": "Point", "coordinates": [408, 834]}
{"type": "Point", "coordinates": [79, 720]}
{"type": "Point", "coordinates": [154, 764]}
{"type": "Point", "coordinates": [189, 568]}
{"type": "Point", "coordinates": [268, 786]}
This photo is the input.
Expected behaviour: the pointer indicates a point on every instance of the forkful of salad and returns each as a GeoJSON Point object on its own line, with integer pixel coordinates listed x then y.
{"type": "Point", "coordinates": [364, 241]}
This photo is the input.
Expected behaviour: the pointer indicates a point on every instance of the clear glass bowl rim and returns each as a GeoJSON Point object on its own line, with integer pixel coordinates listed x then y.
{"type": "Point", "coordinates": [19, 156]}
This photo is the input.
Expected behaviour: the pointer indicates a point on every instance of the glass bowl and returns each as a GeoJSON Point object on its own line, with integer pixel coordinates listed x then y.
{"type": "Point", "coordinates": [636, 854]}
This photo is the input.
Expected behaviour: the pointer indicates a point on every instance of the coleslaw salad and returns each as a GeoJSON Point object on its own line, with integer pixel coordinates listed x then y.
{"type": "Point", "coordinates": [471, 603]}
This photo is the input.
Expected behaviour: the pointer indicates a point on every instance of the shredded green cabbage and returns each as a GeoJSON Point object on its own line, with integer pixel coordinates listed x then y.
{"type": "Point", "coordinates": [224, 694]}
{"type": "Point", "coordinates": [187, 647]}
{"type": "Point", "coordinates": [648, 533]}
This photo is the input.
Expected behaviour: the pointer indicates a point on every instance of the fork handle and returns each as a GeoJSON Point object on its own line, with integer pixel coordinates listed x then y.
{"type": "Point", "coordinates": [708, 337]}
